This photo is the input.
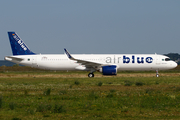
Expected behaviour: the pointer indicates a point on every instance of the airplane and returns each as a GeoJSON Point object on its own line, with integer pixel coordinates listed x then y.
{"type": "Point", "coordinates": [107, 64]}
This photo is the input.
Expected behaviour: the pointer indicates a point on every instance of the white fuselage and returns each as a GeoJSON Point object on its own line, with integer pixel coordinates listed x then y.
{"type": "Point", "coordinates": [122, 61]}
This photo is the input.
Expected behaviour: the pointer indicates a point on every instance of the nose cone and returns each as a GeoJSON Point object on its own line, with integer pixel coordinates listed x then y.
{"type": "Point", "coordinates": [171, 65]}
{"type": "Point", "coordinates": [175, 64]}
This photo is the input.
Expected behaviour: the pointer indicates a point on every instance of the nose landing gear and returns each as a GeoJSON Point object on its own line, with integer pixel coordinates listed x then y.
{"type": "Point", "coordinates": [157, 74]}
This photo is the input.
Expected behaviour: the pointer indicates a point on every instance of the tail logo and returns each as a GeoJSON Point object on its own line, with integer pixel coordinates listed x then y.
{"type": "Point", "coordinates": [20, 42]}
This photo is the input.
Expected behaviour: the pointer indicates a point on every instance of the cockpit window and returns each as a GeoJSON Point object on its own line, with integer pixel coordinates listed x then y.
{"type": "Point", "coordinates": [167, 59]}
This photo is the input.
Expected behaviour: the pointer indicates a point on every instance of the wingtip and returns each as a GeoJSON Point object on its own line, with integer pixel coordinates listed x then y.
{"type": "Point", "coordinates": [65, 49]}
{"type": "Point", "coordinates": [67, 53]}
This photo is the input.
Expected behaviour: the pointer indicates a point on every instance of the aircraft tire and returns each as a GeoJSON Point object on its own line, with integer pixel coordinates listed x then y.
{"type": "Point", "coordinates": [90, 75]}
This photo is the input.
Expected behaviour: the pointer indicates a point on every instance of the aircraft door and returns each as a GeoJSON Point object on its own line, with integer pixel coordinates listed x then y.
{"type": "Point", "coordinates": [158, 59]}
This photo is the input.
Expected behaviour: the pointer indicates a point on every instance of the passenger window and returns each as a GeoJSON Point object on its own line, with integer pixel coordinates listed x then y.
{"type": "Point", "coordinates": [28, 59]}
{"type": "Point", "coordinates": [162, 59]}
{"type": "Point", "coordinates": [167, 59]}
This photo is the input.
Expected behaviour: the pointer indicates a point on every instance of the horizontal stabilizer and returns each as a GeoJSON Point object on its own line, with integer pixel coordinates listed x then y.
{"type": "Point", "coordinates": [12, 58]}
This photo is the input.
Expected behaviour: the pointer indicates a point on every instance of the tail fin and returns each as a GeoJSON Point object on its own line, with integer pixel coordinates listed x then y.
{"type": "Point", "coordinates": [17, 45]}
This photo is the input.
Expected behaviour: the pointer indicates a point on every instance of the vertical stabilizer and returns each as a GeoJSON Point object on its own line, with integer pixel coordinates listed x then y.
{"type": "Point", "coordinates": [17, 45]}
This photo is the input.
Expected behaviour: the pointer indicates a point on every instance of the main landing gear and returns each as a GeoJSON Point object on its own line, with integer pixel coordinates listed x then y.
{"type": "Point", "coordinates": [90, 75]}
{"type": "Point", "coordinates": [157, 74]}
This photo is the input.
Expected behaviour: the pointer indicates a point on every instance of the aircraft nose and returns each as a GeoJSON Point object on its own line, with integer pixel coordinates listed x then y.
{"type": "Point", "coordinates": [175, 64]}
{"type": "Point", "coordinates": [172, 64]}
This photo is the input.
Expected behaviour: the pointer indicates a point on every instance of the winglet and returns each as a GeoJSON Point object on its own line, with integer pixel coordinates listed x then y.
{"type": "Point", "coordinates": [68, 54]}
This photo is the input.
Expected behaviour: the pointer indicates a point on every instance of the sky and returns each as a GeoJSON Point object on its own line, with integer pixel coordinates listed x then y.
{"type": "Point", "coordinates": [92, 26]}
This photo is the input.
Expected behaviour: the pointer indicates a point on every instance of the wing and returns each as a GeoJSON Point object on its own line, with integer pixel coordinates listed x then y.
{"type": "Point", "coordinates": [88, 64]}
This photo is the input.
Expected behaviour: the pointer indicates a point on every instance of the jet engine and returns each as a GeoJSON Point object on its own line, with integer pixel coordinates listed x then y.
{"type": "Point", "coordinates": [108, 70]}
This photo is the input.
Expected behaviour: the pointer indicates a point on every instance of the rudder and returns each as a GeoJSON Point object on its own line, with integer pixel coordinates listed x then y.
{"type": "Point", "coordinates": [17, 45]}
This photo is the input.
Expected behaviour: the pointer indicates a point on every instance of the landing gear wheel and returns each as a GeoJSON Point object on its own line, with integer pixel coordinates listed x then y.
{"type": "Point", "coordinates": [157, 75]}
{"type": "Point", "coordinates": [90, 75]}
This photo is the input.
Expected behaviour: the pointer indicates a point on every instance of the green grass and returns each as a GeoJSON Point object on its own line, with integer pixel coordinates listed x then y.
{"type": "Point", "coordinates": [55, 97]}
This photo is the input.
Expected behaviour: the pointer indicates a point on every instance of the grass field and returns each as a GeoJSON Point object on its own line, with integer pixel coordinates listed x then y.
{"type": "Point", "coordinates": [35, 94]}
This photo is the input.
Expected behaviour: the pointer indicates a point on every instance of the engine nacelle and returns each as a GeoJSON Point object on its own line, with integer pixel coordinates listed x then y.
{"type": "Point", "coordinates": [109, 70]}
